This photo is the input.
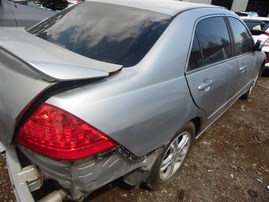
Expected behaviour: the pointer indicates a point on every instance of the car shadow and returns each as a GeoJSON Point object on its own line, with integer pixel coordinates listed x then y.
{"type": "Point", "coordinates": [116, 184]}
{"type": "Point", "coordinates": [265, 73]}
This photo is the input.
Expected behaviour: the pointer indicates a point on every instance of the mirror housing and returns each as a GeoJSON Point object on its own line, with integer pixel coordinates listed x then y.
{"type": "Point", "coordinates": [258, 46]}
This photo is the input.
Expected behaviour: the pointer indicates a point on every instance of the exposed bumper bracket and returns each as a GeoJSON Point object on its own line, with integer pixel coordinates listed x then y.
{"type": "Point", "coordinates": [30, 175]}
{"type": "Point", "coordinates": [24, 180]}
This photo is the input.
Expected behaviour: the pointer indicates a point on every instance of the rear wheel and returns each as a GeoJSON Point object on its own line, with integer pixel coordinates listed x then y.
{"type": "Point", "coordinates": [170, 161]}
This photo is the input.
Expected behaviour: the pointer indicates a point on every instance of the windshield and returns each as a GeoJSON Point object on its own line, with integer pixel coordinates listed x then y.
{"type": "Point", "coordinates": [105, 32]}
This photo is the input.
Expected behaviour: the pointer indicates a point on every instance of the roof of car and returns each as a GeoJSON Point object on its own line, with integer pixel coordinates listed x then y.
{"type": "Point", "coordinates": [170, 7]}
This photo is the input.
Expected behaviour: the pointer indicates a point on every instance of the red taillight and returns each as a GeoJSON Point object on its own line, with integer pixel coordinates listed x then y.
{"type": "Point", "coordinates": [58, 134]}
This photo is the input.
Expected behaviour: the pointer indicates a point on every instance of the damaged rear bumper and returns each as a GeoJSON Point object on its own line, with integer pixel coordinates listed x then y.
{"type": "Point", "coordinates": [26, 180]}
{"type": "Point", "coordinates": [78, 179]}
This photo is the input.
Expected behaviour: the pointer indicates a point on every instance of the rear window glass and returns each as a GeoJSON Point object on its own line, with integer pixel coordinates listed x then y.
{"type": "Point", "coordinates": [105, 32]}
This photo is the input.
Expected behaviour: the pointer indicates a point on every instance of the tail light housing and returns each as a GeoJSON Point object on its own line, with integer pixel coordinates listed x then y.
{"type": "Point", "coordinates": [58, 134]}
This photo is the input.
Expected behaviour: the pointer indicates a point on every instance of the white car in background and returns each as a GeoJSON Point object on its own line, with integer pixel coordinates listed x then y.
{"type": "Point", "coordinates": [259, 27]}
{"type": "Point", "coordinates": [250, 13]}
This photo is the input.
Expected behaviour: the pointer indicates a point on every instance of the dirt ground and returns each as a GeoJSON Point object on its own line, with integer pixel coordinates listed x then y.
{"type": "Point", "coordinates": [230, 162]}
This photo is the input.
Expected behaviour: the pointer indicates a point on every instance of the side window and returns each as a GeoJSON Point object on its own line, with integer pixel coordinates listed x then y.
{"type": "Point", "coordinates": [243, 41]}
{"type": "Point", "coordinates": [196, 59]}
{"type": "Point", "coordinates": [214, 39]}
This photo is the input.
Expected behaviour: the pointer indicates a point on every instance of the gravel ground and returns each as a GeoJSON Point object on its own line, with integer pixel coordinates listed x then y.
{"type": "Point", "coordinates": [230, 162]}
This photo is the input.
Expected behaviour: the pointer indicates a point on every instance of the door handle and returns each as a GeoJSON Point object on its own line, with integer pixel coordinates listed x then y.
{"type": "Point", "coordinates": [243, 68]}
{"type": "Point", "coordinates": [205, 85]}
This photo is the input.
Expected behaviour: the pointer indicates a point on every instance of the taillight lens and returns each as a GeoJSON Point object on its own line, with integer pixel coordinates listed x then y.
{"type": "Point", "coordinates": [58, 134]}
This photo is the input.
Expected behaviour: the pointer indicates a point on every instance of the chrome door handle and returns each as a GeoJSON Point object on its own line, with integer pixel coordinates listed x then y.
{"type": "Point", "coordinates": [205, 85]}
{"type": "Point", "coordinates": [243, 68]}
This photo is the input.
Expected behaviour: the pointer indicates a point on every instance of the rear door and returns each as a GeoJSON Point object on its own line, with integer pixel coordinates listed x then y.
{"type": "Point", "coordinates": [212, 72]}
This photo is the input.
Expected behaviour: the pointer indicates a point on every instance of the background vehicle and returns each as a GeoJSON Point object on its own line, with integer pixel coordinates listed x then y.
{"type": "Point", "coordinates": [248, 14]}
{"type": "Point", "coordinates": [54, 4]}
{"type": "Point", "coordinates": [21, 13]}
{"type": "Point", "coordinates": [116, 89]}
{"type": "Point", "coordinates": [259, 28]}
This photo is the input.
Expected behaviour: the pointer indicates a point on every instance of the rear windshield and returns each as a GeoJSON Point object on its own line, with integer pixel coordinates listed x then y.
{"type": "Point", "coordinates": [105, 32]}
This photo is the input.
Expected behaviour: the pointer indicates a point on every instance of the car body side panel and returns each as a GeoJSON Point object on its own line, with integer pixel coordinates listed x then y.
{"type": "Point", "coordinates": [141, 120]}
{"type": "Point", "coordinates": [140, 107]}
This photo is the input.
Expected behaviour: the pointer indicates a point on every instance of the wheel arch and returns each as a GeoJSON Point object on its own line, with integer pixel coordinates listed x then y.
{"type": "Point", "coordinates": [197, 121]}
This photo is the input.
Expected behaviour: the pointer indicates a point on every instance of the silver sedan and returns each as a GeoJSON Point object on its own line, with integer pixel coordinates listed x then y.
{"type": "Point", "coordinates": [117, 88]}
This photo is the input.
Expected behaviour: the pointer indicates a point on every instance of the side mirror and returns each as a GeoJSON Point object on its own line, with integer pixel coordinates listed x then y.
{"type": "Point", "coordinates": [258, 46]}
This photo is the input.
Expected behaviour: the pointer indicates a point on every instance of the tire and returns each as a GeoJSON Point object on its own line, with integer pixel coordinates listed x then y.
{"type": "Point", "coordinates": [248, 94]}
{"type": "Point", "coordinates": [171, 159]}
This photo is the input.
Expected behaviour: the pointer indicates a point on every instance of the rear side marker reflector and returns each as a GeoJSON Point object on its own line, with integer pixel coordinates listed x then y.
{"type": "Point", "coordinates": [55, 133]}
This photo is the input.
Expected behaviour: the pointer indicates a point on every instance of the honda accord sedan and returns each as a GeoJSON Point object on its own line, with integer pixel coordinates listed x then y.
{"type": "Point", "coordinates": [111, 89]}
